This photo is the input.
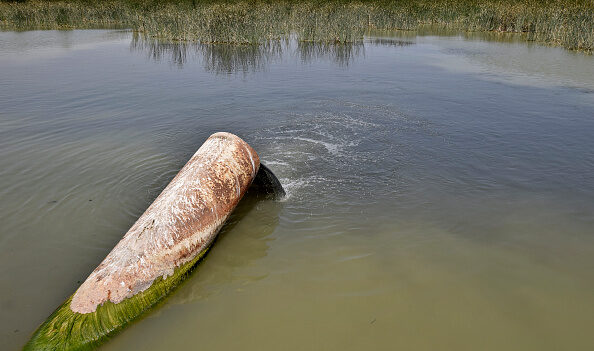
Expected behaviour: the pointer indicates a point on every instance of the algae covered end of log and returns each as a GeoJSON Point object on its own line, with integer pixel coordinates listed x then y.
{"type": "Point", "coordinates": [68, 330]}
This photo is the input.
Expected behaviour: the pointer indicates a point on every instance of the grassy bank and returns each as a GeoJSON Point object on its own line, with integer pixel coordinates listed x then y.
{"type": "Point", "coordinates": [569, 23]}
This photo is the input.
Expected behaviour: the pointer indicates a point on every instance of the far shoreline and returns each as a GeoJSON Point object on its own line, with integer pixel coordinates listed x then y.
{"type": "Point", "coordinates": [565, 23]}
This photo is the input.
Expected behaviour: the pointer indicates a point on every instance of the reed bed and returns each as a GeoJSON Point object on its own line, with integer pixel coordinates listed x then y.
{"type": "Point", "coordinates": [568, 23]}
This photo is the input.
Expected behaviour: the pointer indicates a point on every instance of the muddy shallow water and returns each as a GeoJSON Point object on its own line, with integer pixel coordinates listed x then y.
{"type": "Point", "coordinates": [440, 188]}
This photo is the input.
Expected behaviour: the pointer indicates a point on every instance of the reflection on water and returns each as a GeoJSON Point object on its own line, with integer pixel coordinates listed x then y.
{"type": "Point", "coordinates": [390, 42]}
{"type": "Point", "coordinates": [439, 189]}
{"type": "Point", "coordinates": [340, 53]}
{"type": "Point", "coordinates": [49, 43]}
{"type": "Point", "coordinates": [217, 58]}
{"type": "Point", "coordinates": [157, 50]}
{"type": "Point", "coordinates": [239, 58]}
{"type": "Point", "coordinates": [525, 62]}
{"type": "Point", "coordinates": [227, 58]}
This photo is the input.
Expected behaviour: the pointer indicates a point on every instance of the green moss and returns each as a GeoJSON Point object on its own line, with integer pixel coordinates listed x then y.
{"type": "Point", "coordinates": [68, 330]}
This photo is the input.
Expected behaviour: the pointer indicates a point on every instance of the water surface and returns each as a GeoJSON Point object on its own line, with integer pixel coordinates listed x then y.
{"type": "Point", "coordinates": [440, 189]}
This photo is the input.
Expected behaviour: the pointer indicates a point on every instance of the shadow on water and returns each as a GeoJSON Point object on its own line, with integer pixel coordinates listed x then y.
{"type": "Point", "coordinates": [232, 58]}
{"type": "Point", "coordinates": [242, 240]}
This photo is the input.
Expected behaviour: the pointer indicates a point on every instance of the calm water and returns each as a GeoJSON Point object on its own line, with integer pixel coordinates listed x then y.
{"type": "Point", "coordinates": [440, 188]}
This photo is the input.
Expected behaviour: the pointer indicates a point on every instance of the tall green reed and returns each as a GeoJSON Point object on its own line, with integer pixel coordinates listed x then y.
{"type": "Point", "coordinates": [568, 23]}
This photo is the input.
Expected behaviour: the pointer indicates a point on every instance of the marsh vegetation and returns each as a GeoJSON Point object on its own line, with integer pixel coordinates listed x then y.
{"type": "Point", "coordinates": [569, 23]}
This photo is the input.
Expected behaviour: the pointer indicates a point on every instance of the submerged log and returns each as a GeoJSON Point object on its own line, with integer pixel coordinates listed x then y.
{"type": "Point", "coordinates": [160, 248]}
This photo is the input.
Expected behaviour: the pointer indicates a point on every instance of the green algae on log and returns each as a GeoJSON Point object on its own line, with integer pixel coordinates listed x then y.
{"type": "Point", "coordinates": [68, 330]}
{"type": "Point", "coordinates": [159, 250]}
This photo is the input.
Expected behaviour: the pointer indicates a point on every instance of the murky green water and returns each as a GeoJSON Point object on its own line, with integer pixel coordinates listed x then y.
{"type": "Point", "coordinates": [441, 189]}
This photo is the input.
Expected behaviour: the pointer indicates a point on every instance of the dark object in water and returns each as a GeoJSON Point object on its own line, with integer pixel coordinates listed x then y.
{"type": "Point", "coordinates": [267, 183]}
{"type": "Point", "coordinates": [161, 248]}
